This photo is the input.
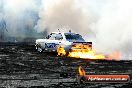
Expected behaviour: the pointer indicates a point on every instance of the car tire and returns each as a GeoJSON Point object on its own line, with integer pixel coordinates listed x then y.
{"type": "Point", "coordinates": [39, 49]}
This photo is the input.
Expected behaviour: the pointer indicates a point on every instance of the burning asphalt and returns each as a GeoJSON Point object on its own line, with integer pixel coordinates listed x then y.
{"type": "Point", "coordinates": [22, 66]}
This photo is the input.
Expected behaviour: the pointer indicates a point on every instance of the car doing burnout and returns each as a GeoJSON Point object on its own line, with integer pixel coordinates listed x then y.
{"type": "Point", "coordinates": [57, 39]}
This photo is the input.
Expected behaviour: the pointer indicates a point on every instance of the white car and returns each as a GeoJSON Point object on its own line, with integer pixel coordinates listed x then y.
{"type": "Point", "coordinates": [56, 39]}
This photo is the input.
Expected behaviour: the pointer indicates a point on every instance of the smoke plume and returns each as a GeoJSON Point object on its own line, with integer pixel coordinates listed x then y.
{"type": "Point", "coordinates": [64, 14]}
{"type": "Point", "coordinates": [20, 16]}
{"type": "Point", "coordinates": [114, 28]}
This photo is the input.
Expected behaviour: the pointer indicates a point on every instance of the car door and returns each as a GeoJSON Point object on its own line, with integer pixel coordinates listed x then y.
{"type": "Point", "coordinates": [59, 39]}
{"type": "Point", "coordinates": [50, 42]}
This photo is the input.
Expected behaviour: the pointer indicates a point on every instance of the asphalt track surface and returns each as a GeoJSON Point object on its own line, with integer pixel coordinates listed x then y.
{"type": "Point", "coordinates": [21, 66]}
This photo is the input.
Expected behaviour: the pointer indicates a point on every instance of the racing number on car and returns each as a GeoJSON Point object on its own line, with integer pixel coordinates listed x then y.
{"type": "Point", "coordinates": [50, 45]}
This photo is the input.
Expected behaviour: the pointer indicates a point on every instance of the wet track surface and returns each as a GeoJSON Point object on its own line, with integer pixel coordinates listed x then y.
{"type": "Point", "coordinates": [22, 66]}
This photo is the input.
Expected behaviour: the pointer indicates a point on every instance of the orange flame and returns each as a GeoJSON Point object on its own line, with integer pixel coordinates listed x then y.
{"type": "Point", "coordinates": [89, 54]}
{"type": "Point", "coordinates": [61, 51]}
{"type": "Point", "coordinates": [114, 56]}
{"type": "Point", "coordinates": [80, 51]}
{"type": "Point", "coordinates": [86, 52]}
{"type": "Point", "coordinates": [81, 71]}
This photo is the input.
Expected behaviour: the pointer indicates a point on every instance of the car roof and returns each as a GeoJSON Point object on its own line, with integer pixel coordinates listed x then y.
{"type": "Point", "coordinates": [63, 33]}
{"type": "Point", "coordinates": [56, 32]}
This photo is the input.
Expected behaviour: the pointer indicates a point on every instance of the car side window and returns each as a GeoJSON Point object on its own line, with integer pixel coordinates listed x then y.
{"type": "Point", "coordinates": [52, 36]}
{"type": "Point", "coordinates": [47, 37]}
{"type": "Point", "coordinates": [58, 37]}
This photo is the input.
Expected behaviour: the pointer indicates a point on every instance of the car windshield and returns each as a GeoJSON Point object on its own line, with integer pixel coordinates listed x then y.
{"type": "Point", "coordinates": [74, 37]}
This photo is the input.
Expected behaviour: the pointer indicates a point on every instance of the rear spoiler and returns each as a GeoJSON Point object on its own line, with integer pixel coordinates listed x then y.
{"type": "Point", "coordinates": [83, 42]}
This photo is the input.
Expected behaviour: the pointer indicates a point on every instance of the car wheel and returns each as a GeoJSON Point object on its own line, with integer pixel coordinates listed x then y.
{"type": "Point", "coordinates": [39, 49]}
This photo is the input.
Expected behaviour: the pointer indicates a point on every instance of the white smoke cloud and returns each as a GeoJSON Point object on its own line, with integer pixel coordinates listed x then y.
{"type": "Point", "coordinates": [18, 6]}
{"type": "Point", "coordinates": [114, 28]}
{"type": "Point", "coordinates": [19, 16]}
{"type": "Point", "coordinates": [63, 13]}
